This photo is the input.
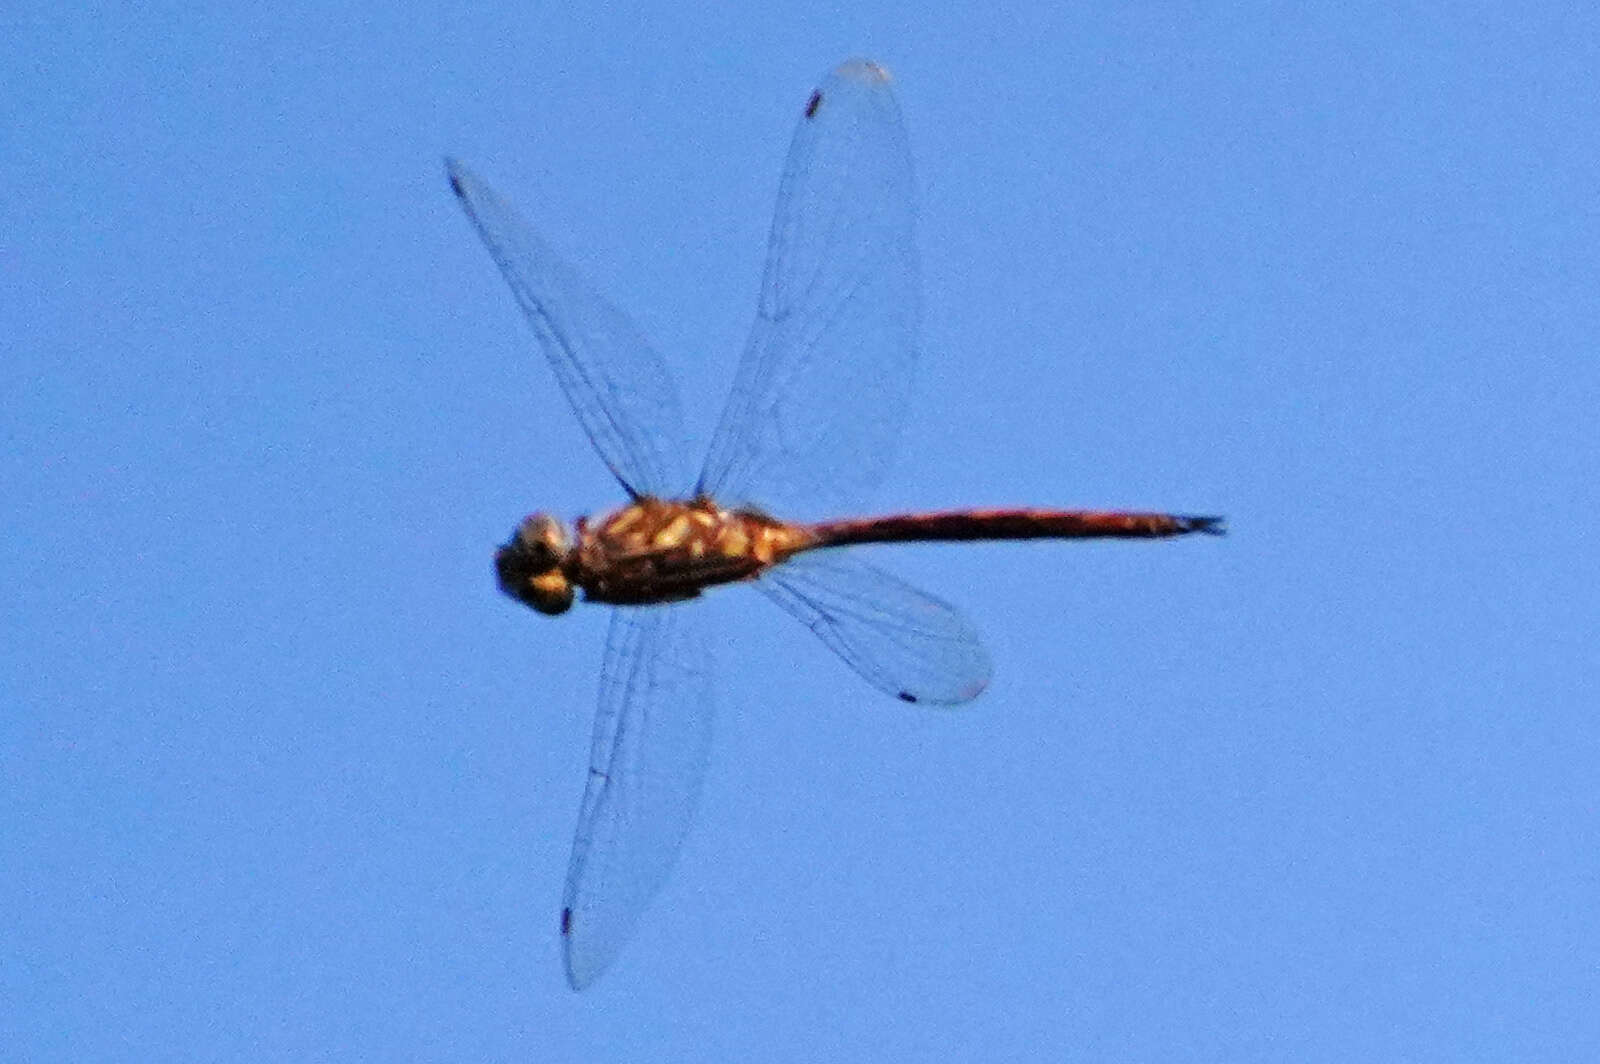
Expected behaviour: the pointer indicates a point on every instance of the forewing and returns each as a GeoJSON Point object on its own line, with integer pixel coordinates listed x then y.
{"type": "Point", "coordinates": [817, 400]}
{"type": "Point", "coordinates": [618, 387]}
{"type": "Point", "coordinates": [901, 640]}
{"type": "Point", "coordinates": [652, 734]}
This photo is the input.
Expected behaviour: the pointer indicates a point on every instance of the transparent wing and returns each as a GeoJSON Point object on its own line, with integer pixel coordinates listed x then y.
{"type": "Point", "coordinates": [901, 640]}
{"type": "Point", "coordinates": [817, 400]}
{"type": "Point", "coordinates": [652, 735]}
{"type": "Point", "coordinates": [618, 387]}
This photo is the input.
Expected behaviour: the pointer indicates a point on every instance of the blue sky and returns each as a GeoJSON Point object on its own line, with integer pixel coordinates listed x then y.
{"type": "Point", "coordinates": [283, 776]}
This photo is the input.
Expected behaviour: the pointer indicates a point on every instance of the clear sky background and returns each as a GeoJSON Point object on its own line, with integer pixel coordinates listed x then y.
{"type": "Point", "coordinates": [282, 775]}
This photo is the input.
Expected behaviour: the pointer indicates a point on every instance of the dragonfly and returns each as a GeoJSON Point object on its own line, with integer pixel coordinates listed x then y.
{"type": "Point", "coordinates": [811, 420]}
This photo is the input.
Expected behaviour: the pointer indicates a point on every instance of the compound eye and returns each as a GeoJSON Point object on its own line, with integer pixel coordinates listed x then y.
{"type": "Point", "coordinates": [529, 566]}
{"type": "Point", "coordinates": [542, 541]}
{"type": "Point", "coordinates": [549, 593]}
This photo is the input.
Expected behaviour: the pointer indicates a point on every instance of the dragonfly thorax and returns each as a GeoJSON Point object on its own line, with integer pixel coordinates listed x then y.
{"type": "Point", "coordinates": [532, 565]}
{"type": "Point", "coordinates": [665, 550]}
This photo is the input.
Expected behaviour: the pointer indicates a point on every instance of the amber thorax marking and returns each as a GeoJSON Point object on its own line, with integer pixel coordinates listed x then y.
{"type": "Point", "coordinates": [650, 551]}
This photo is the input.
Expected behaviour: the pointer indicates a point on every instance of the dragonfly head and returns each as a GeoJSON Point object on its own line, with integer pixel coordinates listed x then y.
{"type": "Point", "coordinates": [531, 565]}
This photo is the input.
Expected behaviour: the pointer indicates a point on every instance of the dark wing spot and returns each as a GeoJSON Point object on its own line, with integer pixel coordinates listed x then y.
{"type": "Point", "coordinates": [566, 921]}
{"type": "Point", "coordinates": [907, 696]}
{"type": "Point", "coordinates": [455, 186]}
{"type": "Point", "coordinates": [812, 104]}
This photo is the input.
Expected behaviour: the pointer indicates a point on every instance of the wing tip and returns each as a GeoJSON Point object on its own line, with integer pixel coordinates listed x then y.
{"type": "Point", "coordinates": [857, 68]}
{"type": "Point", "coordinates": [457, 174]}
{"type": "Point", "coordinates": [966, 692]}
{"type": "Point", "coordinates": [579, 976]}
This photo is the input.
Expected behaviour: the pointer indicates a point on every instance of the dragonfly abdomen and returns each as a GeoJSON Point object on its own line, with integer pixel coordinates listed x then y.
{"type": "Point", "coordinates": [952, 525]}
